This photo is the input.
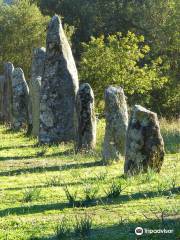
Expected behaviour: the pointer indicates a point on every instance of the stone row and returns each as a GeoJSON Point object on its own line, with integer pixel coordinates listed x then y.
{"type": "Point", "coordinates": [56, 109]}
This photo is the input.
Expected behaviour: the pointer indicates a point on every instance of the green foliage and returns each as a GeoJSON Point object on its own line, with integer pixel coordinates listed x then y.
{"type": "Point", "coordinates": [158, 21]}
{"type": "Point", "coordinates": [22, 28]}
{"type": "Point", "coordinates": [160, 24]}
{"type": "Point", "coordinates": [31, 194]}
{"type": "Point", "coordinates": [63, 229]}
{"type": "Point", "coordinates": [166, 102]}
{"type": "Point", "coordinates": [171, 134]}
{"type": "Point", "coordinates": [115, 189]}
{"type": "Point", "coordinates": [69, 31]}
{"type": "Point", "coordinates": [117, 61]}
{"type": "Point", "coordinates": [54, 181]}
{"type": "Point", "coordinates": [90, 192]}
{"type": "Point", "coordinates": [150, 176]}
{"type": "Point", "coordinates": [83, 226]}
{"type": "Point", "coordinates": [71, 197]}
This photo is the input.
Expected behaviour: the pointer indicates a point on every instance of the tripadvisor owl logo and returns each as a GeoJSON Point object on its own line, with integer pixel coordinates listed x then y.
{"type": "Point", "coordinates": [139, 231]}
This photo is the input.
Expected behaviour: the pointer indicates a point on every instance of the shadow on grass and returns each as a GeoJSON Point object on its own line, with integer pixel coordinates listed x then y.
{"type": "Point", "coordinates": [125, 230]}
{"type": "Point", "coordinates": [42, 186]}
{"type": "Point", "coordinates": [51, 168]}
{"type": "Point", "coordinates": [99, 201]}
{"type": "Point", "coordinates": [39, 154]}
{"type": "Point", "coordinates": [64, 184]}
{"type": "Point", "coordinates": [10, 130]}
{"type": "Point", "coordinates": [16, 147]}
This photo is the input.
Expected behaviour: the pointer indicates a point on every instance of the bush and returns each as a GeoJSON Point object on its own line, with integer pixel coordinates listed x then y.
{"type": "Point", "coordinates": [115, 189]}
{"type": "Point", "coordinates": [117, 60]}
{"type": "Point", "coordinates": [31, 194]}
{"type": "Point", "coordinates": [90, 192]}
{"type": "Point", "coordinates": [71, 197]}
{"type": "Point", "coordinates": [63, 230]}
{"type": "Point", "coordinates": [83, 226]}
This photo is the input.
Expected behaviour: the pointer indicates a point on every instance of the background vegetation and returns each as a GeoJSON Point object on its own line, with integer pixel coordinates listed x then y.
{"type": "Point", "coordinates": [22, 28]}
{"type": "Point", "coordinates": [152, 78]}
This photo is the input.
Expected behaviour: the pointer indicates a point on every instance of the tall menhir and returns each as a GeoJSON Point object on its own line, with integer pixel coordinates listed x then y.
{"type": "Point", "coordinates": [59, 88]}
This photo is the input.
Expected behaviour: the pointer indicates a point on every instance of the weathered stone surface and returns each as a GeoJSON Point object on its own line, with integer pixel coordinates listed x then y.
{"type": "Point", "coordinates": [59, 88]}
{"type": "Point", "coordinates": [2, 80]}
{"type": "Point", "coordinates": [20, 91]}
{"type": "Point", "coordinates": [116, 123]}
{"type": "Point", "coordinates": [5, 114]}
{"type": "Point", "coordinates": [86, 123]}
{"type": "Point", "coordinates": [7, 95]}
{"type": "Point", "coordinates": [35, 85]}
{"type": "Point", "coordinates": [144, 146]}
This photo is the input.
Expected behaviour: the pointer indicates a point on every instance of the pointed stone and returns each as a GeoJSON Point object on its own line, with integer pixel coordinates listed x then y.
{"type": "Point", "coordinates": [116, 124]}
{"type": "Point", "coordinates": [59, 88]}
{"type": "Point", "coordinates": [145, 146]}
{"type": "Point", "coordinates": [86, 124]}
{"type": "Point", "coordinates": [20, 93]}
{"type": "Point", "coordinates": [35, 86]}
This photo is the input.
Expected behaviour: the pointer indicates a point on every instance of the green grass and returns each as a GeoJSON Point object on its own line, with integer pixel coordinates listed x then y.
{"type": "Point", "coordinates": [33, 201]}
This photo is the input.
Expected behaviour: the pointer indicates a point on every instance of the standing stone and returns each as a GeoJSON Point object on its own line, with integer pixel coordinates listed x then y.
{"type": "Point", "coordinates": [20, 93]}
{"type": "Point", "coordinates": [59, 88]}
{"type": "Point", "coordinates": [86, 123]}
{"type": "Point", "coordinates": [2, 81]}
{"type": "Point", "coordinates": [8, 70]}
{"type": "Point", "coordinates": [145, 146]}
{"type": "Point", "coordinates": [116, 123]}
{"type": "Point", "coordinates": [35, 85]}
{"type": "Point", "coordinates": [5, 114]}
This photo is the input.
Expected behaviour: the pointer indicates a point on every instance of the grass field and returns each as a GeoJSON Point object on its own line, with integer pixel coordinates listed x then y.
{"type": "Point", "coordinates": [49, 192]}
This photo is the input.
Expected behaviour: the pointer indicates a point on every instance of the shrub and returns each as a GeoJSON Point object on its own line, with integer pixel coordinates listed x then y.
{"type": "Point", "coordinates": [90, 192]}
{"type": "Point", "coordinates": [71, 197]}
{"type": "Point", "coordinates": [83, 226]}
{"type": "Point", "coordinates": [31, 194]}
{"type": "Point", "coordinates": [114, 190]}
{"type": "Point", "coordinates": [63, 229]}
{"type": "Point", "coordinates": [117, 60]}
{"type": "Point", "coordinates": [54, 181]}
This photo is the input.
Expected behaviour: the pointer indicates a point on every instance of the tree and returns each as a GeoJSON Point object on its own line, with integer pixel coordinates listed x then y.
{"type": "Point", "coordinates": [117, 60]}
{"type": "Point", "coordinates": [157, 20]}
{"type": "Point", "coordinates": [22, 28]}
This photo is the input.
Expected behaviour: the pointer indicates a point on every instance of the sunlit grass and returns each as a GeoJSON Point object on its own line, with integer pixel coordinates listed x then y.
{"type": "Point", "coordinates": [25, 166]}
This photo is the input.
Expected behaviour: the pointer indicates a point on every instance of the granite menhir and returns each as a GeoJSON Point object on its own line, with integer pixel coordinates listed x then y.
{"type": "Point", "coordinates": [7, 93]}
{"type": "Point", "coordinates": [20, 100]}
{"type": "Point", "coordinates": [116, 114]}
{"type": "Point", "coordinates": [59, 88]}
{"type": "Point", "coordinates": [35, 86]}
{"type": "Point", "coordinates": [2, 80]}
{"type": "Point", "coordinates": [144, 145]}
{"type": "Point", "coordinates": [86, 123]}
